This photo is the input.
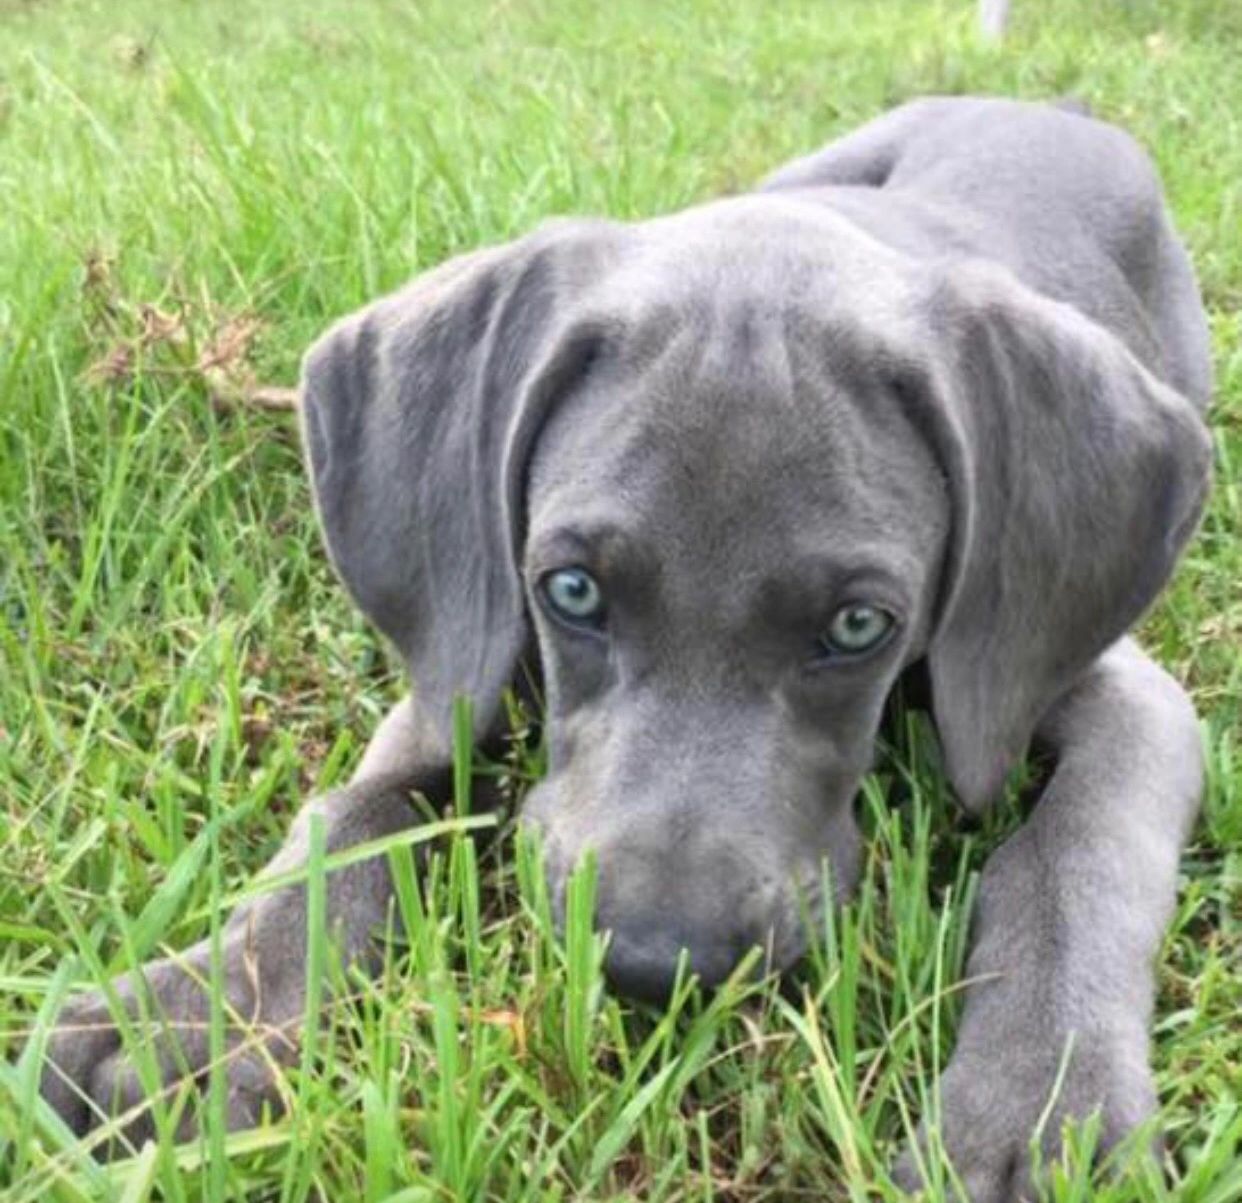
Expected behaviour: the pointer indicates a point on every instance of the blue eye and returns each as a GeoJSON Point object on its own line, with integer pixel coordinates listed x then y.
{"type": "Point", "coordinates": [856, 628]}
{"type": "Point", "coordinates": [575, 596]}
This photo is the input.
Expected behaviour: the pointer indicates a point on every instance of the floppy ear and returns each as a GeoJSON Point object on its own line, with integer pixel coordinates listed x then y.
{"type": "Point", "coordinates": [1076, 477]}
{"type": "Point", "coordinates": [418, 415]}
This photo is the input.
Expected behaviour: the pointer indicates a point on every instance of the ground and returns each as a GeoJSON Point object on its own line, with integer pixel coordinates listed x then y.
{"type": "Point", "coordinates": [191, 192]}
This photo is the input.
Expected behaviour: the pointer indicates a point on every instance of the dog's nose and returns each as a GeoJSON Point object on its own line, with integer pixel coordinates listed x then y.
{"type": "Point", "coordinates": [642, 964]}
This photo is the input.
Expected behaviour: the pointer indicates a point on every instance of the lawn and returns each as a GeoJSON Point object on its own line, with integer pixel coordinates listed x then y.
{"type": "Point", "coordinates": [190, 192]}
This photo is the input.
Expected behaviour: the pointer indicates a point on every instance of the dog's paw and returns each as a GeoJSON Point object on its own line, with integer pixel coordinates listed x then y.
{"type": "Point", "coordinates": [113, 1063]}
{"type": "Point", "coordinates": [1000, 1117]}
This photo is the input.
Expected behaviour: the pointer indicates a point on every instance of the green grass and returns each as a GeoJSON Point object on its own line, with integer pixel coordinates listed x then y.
{"type": "Point", "coordinates": [190, 182]}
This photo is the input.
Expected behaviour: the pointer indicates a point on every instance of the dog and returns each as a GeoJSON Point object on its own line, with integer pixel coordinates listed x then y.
{"type": "Point", "coordinates": [928, 400]}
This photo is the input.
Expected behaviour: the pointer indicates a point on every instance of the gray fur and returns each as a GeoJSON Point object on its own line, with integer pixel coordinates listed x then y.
{"type": "Point", "coordinates": [954, 363]}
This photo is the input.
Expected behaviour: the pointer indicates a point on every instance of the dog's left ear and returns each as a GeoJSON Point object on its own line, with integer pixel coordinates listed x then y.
{"type": "Point", "coordinates": [419, 414]}
{"type": "Point", "coordinates": [1075, 476]}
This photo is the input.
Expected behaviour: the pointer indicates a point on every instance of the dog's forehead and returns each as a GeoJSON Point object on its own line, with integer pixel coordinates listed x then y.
{"type": "Point", "coordinates": [735, 436]}
{"type": "Point", "coordinates": [740, 408]}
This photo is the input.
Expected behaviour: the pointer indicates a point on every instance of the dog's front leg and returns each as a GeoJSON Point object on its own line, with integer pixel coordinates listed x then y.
{"type": "Point", "coordinates": [91, 1073]}
{"type": "Point", "coordinates": [1070, 917]}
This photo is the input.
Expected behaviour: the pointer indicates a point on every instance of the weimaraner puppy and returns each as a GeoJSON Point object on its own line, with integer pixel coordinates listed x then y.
{"type": "Point", "coordinates": [930, 399]}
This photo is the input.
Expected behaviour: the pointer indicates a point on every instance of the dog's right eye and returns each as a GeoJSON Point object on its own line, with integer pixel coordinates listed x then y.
{"type": "Point", "coordinates": [574, 596]}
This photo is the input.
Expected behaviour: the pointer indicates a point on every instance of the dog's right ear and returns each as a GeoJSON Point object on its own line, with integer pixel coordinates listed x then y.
{"type": "Point", "coordinates": [418, 415]}
{"type": "Point", "coordinates": [1075, 475]}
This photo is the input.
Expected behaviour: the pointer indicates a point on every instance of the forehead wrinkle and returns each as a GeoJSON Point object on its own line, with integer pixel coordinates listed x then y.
{"type": "Point", "coordinates": [699, 432]}
{"type": "Point", "coordinates": [712, 394]}
{"type": "Point", "coordinates": [746, 347]}
{"type": "Point", "coordinates": [741, 421]}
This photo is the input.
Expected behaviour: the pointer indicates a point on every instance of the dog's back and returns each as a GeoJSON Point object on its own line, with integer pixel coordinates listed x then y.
{"type": "Point", "coordinates": [1071, 205]}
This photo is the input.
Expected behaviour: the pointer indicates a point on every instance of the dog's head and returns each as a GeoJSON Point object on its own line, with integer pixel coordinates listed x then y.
{"type": "Point", "coordinates": [731, 471]}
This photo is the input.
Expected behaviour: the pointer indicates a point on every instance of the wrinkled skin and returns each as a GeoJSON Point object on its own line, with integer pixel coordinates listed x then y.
{"type": "Point", "coordinates": [952, 365]}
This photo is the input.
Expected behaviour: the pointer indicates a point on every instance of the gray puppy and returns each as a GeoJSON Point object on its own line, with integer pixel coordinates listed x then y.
{"type": "Point", "coordinates": [929, 397]}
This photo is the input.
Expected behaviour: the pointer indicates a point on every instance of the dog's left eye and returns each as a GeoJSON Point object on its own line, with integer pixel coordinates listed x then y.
{"type": "Point", "coordinates": [856, 628]}
{"type": "Point", "coordinates": [575, 596]}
